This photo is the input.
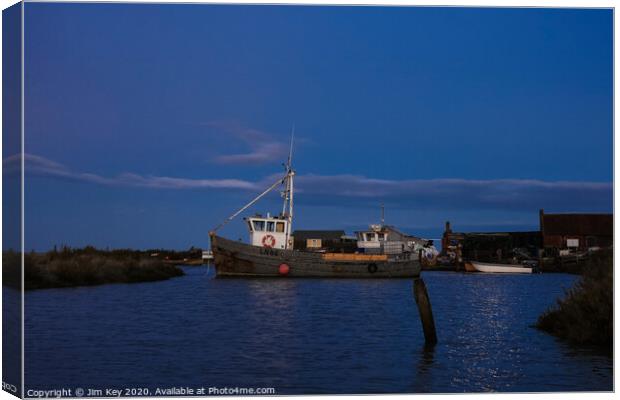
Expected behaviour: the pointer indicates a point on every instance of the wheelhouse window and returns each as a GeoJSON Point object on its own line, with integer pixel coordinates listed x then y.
{"type": "Point", "coordinates": [279, 226]}
{"type": "Point", "coordinates": [270, 226]}
{"type": "Point", "coordinates": [259, 225]}
{"type": "Point", "coordinates": [381, 236]}
{"type": "Point", "coordinates": [370, 237]}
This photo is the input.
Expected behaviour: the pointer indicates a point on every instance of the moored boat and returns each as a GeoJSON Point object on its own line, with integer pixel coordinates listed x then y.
{"type": "Point", "coordinates": [469, 267]}
{"type": "Point", "coordinates": [498, 268]}
{"type": "Point", "coordinates": [382, 251]}
{"type": "Point", "coordinates": [234, 258]}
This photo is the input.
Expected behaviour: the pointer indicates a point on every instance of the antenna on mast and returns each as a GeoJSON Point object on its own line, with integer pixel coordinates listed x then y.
{"type": "Point", "coordinates": [382, 214]}
{"type": "Point", "coordinates": [290, 153]}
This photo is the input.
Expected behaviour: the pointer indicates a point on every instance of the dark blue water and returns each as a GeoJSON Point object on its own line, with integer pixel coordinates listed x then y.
{"type": "Point", "coordinates": [306, 336]}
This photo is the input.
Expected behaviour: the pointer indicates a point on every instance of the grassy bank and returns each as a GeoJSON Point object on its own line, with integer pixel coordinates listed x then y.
{"type": "Point", "coordinates": [585, 315]}
{"type": "Point", "coordinates": [84, 267]}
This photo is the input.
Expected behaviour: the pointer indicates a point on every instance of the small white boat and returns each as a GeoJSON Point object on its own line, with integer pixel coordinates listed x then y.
{"type": "Point", "coordinates": [501, 268]}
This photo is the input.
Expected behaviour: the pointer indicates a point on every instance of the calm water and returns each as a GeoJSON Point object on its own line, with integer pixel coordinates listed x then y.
{"type": "Point", "coordinates": [306, 336]}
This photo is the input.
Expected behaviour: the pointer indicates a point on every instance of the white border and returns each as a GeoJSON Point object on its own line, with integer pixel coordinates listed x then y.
{"type": "Point", "coordinates": [23, 184]}
{"type": "Point", "coordinates": [432, 3]}
{"type": "Point", "coordinates": [380, 3]}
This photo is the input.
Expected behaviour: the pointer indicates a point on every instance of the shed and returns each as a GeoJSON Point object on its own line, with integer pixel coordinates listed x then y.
{"type": "Point", "coordinates": [578, 231]}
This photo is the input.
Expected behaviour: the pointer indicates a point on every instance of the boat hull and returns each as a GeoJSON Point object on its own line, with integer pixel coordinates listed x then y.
{"type": "Point", "coordinates": [500, 268]}
{"type": "Point", "coordinates": [469, 267]}
{"type": "Point", "coordinates": [237, 259]}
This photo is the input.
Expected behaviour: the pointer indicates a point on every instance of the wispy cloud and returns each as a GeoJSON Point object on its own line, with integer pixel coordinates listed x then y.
{"type": "Point", "coordinates": [505, 194]}
{"type": "Point", "coordinates": [461, 193]}
{"type": "Point", "coordinates": [263, 147]}
{"type": "Point", "coordinates": [40, 166]}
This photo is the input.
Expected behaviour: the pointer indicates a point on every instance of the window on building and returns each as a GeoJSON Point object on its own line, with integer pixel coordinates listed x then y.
{"type": "Point", "coordinates": [270, 226]}
{"type": "Point", "coordinates": [313, 243]}
{"type": "Point", "coordinates": [280, 227]}
{"type": "Point", "coordinates": [259, 225]}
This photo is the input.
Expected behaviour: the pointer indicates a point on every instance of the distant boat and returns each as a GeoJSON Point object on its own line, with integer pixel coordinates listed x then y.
{"type": "Point", "coordinates": [498, 268]}
{"type": "Point", "coordinates": [469, 267]}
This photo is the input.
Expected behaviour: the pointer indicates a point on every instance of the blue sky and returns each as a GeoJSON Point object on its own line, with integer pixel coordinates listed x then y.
{"type": "Point", "coordinates": [146, 125]}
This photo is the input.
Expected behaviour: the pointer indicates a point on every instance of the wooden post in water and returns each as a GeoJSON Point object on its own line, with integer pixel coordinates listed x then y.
{"type": "Point", "coordinates": [426, 313]}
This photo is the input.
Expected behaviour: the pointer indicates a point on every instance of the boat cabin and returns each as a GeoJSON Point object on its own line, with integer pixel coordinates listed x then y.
{"type": "Point", "coordinates": [385, 239]}
{"type": "Point", "coordinates": [270, 232]}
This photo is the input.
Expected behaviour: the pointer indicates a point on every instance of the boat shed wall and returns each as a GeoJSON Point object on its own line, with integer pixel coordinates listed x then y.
{"type": "Point", "coordinates": [582, 231]}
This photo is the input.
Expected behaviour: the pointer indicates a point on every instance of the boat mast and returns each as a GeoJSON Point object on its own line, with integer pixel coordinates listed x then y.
{"type": "Point", "coordinates": [287, 208]}
{"type": "Point", "coordinates": [288, 196]}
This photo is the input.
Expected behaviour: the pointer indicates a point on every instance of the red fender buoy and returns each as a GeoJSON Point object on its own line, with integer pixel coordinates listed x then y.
{"type": "Point", "coordinates": [284, 269]}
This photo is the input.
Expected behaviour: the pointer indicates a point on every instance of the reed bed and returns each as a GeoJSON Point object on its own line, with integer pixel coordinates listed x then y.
{"type": "Point", "coordinates": [584, 316]}
{"type": "Point", "coordinates": [84, 267]}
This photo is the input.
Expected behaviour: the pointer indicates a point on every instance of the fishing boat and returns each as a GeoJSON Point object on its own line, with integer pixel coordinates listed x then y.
{"type": "Point", "coordinates": [498, 268]}
{"type": "Point", "coordinates": [383, 251]}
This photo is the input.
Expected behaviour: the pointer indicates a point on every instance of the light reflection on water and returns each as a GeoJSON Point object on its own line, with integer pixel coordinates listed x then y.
{"type": "Point", "coordinates": [306, 336]}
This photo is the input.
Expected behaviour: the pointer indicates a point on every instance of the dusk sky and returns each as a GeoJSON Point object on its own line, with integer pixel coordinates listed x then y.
{"type": "Point", "coordinates": [147, 125]}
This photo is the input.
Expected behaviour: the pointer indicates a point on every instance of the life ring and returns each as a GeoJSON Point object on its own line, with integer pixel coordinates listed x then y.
{"type": "Point", "coordinates": [269, 241]}
{"type": "Point", "coordinates": [372, 268]}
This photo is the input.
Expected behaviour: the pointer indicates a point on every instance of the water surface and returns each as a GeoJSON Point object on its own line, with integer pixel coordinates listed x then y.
{"type": "Point", "coordinates": [306, 336]}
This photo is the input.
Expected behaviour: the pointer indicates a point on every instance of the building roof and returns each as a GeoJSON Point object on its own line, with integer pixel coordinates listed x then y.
{"type": "Point", "coordinates": [578, 224]}
{"type": "Point", "coordinates": [517, 233]}
{"type": "Point", "coordinates": [323, 235]}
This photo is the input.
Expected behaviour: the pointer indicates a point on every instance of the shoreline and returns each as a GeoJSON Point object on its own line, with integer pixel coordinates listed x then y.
{"type": "Point", "coordinates": [83, 267]}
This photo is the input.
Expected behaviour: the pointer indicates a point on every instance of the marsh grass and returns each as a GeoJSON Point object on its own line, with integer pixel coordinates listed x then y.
{"type": "Point", "coordinates": [584, 315]}
{"type": "Point", "coordinates": [84, 267]}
